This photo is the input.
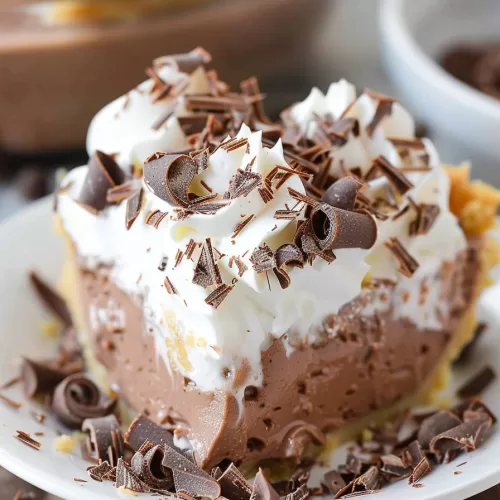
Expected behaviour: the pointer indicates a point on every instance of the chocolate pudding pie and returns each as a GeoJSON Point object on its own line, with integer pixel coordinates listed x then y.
{"type": "Point", "coordinates": [265, 286]}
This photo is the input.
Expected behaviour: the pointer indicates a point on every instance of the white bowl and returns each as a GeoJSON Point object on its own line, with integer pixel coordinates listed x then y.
{"type": "Point", "coordinates": [464, 122]}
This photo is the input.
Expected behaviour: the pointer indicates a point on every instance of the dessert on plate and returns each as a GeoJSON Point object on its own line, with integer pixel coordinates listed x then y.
{"type": "Point", "coordinates": [266, 285]}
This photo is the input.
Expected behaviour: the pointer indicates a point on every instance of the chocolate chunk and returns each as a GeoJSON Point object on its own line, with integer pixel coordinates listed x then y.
{"type": "Point", "coordinates": [103, 174]}
{"type": "Point", "coordinates": [188, 476]}
{"type": "Point", "coordinates": [185, 63]}
{"type": "Point", "coordinates": [407, 264]}
{"type": "Point", "coordinates": [334, 228]}
{"type": "Point", "coordinates": [39, 378]}
{"type": "Point", "coordinates": [477, 384]}
{"type": "Point", "coordinates": [105, 441]}
{"type": "Point", "coordinates": [333, 482]}
{"type": "Point", "coordinates": [51, 299]}
{"type": "Point", "coordinates": [467, 435]}
{"type": "Point", "coordinates": [243, 183]}
{"type": "Point", "coordinates": [100, 472]}
{"type": "Point", "coordinates": [262, 489]}
{"type": "Point", "coordinates": [133, 209]}
{"type": "Point", "coordinates": [127, 479]}
{"type": "Point", "coordinates": [234, 485]}
{"type": "Point", "coordinates": [422, 468]}
{"type": "Point", "coordinates": [206, 272]}
{"type": "Point", "coordinates": [143, 429]}
{"type": "Point", "coordinates": [342, 193]}
{"type": "Point", "coordinates": [263, 259]}
{"type": "Point", "coordinates": [395, 176]}
{"type": "Point", "coordinates": [434, 425]}
{"type": "Point", "coordinates": [216, 297]}
{"type": "Point", "coordinates": [77, 398]}
{"type": "Point", "coordinates": [169, 177]}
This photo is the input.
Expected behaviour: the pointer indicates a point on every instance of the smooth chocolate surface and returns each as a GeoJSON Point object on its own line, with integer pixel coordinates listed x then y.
{"type": "Point", "coordinates": [362, 363]}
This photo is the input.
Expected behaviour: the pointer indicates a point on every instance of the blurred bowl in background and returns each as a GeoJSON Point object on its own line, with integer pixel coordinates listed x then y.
{"type": "Point", "coordinates": [464, 122]}
{"type": "Point", "coordinates": [55, 77]}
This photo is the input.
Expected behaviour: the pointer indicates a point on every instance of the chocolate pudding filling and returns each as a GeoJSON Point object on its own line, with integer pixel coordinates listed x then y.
{"type": "Point", "coordinates": [368, 358]}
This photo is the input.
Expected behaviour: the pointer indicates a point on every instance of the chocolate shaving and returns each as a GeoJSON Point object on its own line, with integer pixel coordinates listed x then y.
{"type": "Point", "coordinates": [100, 472]}
{"type": "Point", "coordinates": [13, 404]}
{"type": "Point", "coordinates": [105, 441]}
{"type": "Point", "coordinates": [333, 482]}
{"type": "Point", "coordinates": [234, 144]}
{"type": "Point", "coordinates": [188, 477]}
{"type": "Point", "coordinates": [241, 225]}
{"type": "Point", "coordinates": [242, 184]}
{"type": "Point", "coordinates": [407, 264]}
{"type": "Point", "coordinates": [289, 255]}
{"type": "Point", "coordinates": [312, 249]}
{"type": "Point", "coordinates": [426, 216]}
{"type": "Point", "coordinates": [286, 214]}
{"type": "Point", "coordinates": [51, 299]}
{"type": "Point", "coordinates": [133, 208]}
{"type": "Point", "coordinates": [393, 465]}
{"type": "Point", "coordinates": [262, 489]}
{"type": "Point", "coordinates": [169, 176]}
{"type": "Point", "coordinates": [125, 478]}
{"type": "Point", "coordinates": [335, 228]}
{"type": "Point", "coordinates": [216, 104]}
{"type": "Point", "coordinates": [77, 398]}
{"type": "Point", "coordinates": [407, 143]}
{"type": "Point", "coordinates": [250, 89]}
{"type": "Point", "coordinates": [216, 298]}
{"type": "Point", "coordinates": [342, 193]}
{"type": "Point", "coordinates": [206, 272]}
{"type": "Point", "coordinates": [234, 485]}
{"type": "Point", "coordinates": [155, 217]}
{"type": "Point", "coordinates": [117, 194]}
{"type": "Point", "coordinates": [396, 178]}
{"type": "Point", "coordinates": [152, 471]}
{"type": "Point", "coordinates": [167, 113]}
{"type": "Point", "coordinates": [39, 378]}
{"type": "Point", "coordinates": [384, 108]}
{"type": "Point", "coordinates": [301, 493]}
{"type": "Point", "coordinates": [477, 384]}
{"type": "Point", "coordinates": [266, 193]}
{"type": "Point", "coordinates": [103, 174]}
{"type": "Point", "coordinates": [262, 259]}
{"type": "Point", "coordinates": [25, 438]}
{"type": "Point", "coordinates": [302, 197]}
{"type": "Point", "coordinates": [437, 423]}
{"type": "Point", "coordinates": [185, 63]}
{"type": "Point", "coordinates": [169, 286]}
{"type": "Point", "coordinates": [467, 350]}
{"type": "Point", "coordinates": [420, 470]}
{"type": "Point", "coordinates": [143, 429]}
{"type": "Point", "coordinates": [193, 124]}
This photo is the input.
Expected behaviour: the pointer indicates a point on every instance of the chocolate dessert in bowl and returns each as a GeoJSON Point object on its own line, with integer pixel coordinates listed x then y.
{"type": "Point", "coordinates": [264, 287]}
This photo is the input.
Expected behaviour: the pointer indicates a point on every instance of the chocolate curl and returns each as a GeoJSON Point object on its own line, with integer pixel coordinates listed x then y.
{"type": "Point", "coordinates": [77, 398]}
{"type": "Point", "coordinates": [103, 174]}
{"type": "Point", "coordinates": [288, 254]}
{"type": "Point", "coordinates": [169, 177]}
{"type": "Point", "coordinates": [39, 378]}
{"type": "Point", "coordinates": [334, 228]}
{"type": "Point", "coordinates": [187, 62]}
{"type": "Point", "coordinates": [105, 442]}
{"type": "Point", "coordinates": [127, 479]}
{"type": "Point", "coordinates": [150, 469]}
{"type": "Point", "coordinates": [434, 425]}
{"type": "Point", "coordinates": [342, 193]}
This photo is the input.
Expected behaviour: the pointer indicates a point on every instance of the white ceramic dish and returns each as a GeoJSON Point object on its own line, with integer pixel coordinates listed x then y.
{"type": "Point", "coordinates": [27, 242]}
{"type": "Point", "coordinates": [463, 121]}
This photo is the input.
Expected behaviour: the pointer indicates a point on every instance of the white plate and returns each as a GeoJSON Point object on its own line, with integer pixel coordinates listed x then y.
{"type": "Point", "coordinates": [27, 242]}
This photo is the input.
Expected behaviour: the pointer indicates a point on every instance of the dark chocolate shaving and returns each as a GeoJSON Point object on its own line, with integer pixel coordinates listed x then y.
{"type": "Point", "coordinates": [143, 429]}
{"type": "Point", "coordinates": [125, 478]}
{"type": "Point", "coordinates": [77, 398]}
{"type": "Point", "coordinates": [335, 228]}
{"type": "Point", "coordinates": [407, 143]}
{"type": "Point", "coordinates": [133, 208]}
{"type": "Point", "coordinates": [155, 218]}
{"type": "Point", "coordinates": [407, 264]}
{"type": "Point", "coordinates": [218, 296]}
{"type": "Point", "coordinates": [51, 299]}
{"type": "Point", "coordinates": [206, 272]}
{"type": "Point", "coordinates": [188, 477]}
{"type": "Point", "coordinates": [241, 225]}
{"type": "Point", "coordinates": [13, 404]}
{"type": "Point", "coordinates": [169, 286]}
{"type": "Point", "coordinates": [342, 193]}
{"type": "Point", "coordinates": [117, 194]}
{"type": "Point", "coordinates": [234, 485]}
{"type": "Point", "coordinates": [169, 176]}
{"type": "Point", "coordinates": [105, 441]}
{"type": "Point", "coordinates": [250, 89]}
{"type": "Point", "coordinates": [301, 493]}
{"type": "Point", "coordinates": [152, 471]}
{"type": "Point", "coordinates": [26, 439]}
{"type": "Point", "coordinates": [39, 378]}
{"type": "Point", "coordinates": [437, 423]}
{"type": "Point", "coordinates": [242, 184]}
{"type": "Point", "coordinates": [477, 384]}
{"type": "Point", "coordinates": [333, 482]}
{"type": "Point", "coordinates": [393, 465]}
{"type": "Point", "coordinates": [420, 470]}
{"type": "Point", "coordinates": [395, 176]}
{"type": "Point", "coordinates": [289, 255]}
{"type": "Point", "coordinates": [185, 63]}
{"type": "Point", "coordinates": [100, 472]}
{"type": "Point", "coordinates": [262, 489]}
{"type": "Point", "coordinates": [263, 259]}
{"type": "Point", "coordinates": [103, 174]}
{"type": "Point", "coordinates": [426, 216]}
{"type": "Point", "coordinates": [467, 351]}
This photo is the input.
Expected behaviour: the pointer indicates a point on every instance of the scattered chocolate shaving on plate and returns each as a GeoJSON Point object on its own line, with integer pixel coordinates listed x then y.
{"type": "Point", "coordinates": [437, 423]}
{"type": "Point", "coordinates": [103, 173]}
{"type": "Point", "coordinates": [133, 209]}
{"type": "Point", "coordinates": [477, 384]}
{"type": "Point", "coordinates": [51, 299]}
{"type": "Point", "coordinates": [39, 378]}
{"type": "Point", "coordinates": [77, 398]}
{"type": "Point", "coordinates": [105, 441]}
{"type": "Point", "coordinates": [78, 480]}
{"type": "Point", "coordinates": [407, 264]}
{"type": "Point", "coordinates": [13, 404]}
{"type": "Point", "coordinates": [143, 429]}
{"type": "Point", "coordinates": [10, 383]}
{"type": "Point", "coordinates": [25, 438]}
{"type": "Point", "coordinates": [420, 470]}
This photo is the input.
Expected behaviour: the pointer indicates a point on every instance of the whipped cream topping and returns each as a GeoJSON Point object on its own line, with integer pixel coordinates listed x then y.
{"type": "Point", "coordinates": [220, 348]}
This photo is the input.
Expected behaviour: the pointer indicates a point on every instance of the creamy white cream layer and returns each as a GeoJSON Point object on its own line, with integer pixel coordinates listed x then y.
{"type": "Point", "coordinates": [205, 344]}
